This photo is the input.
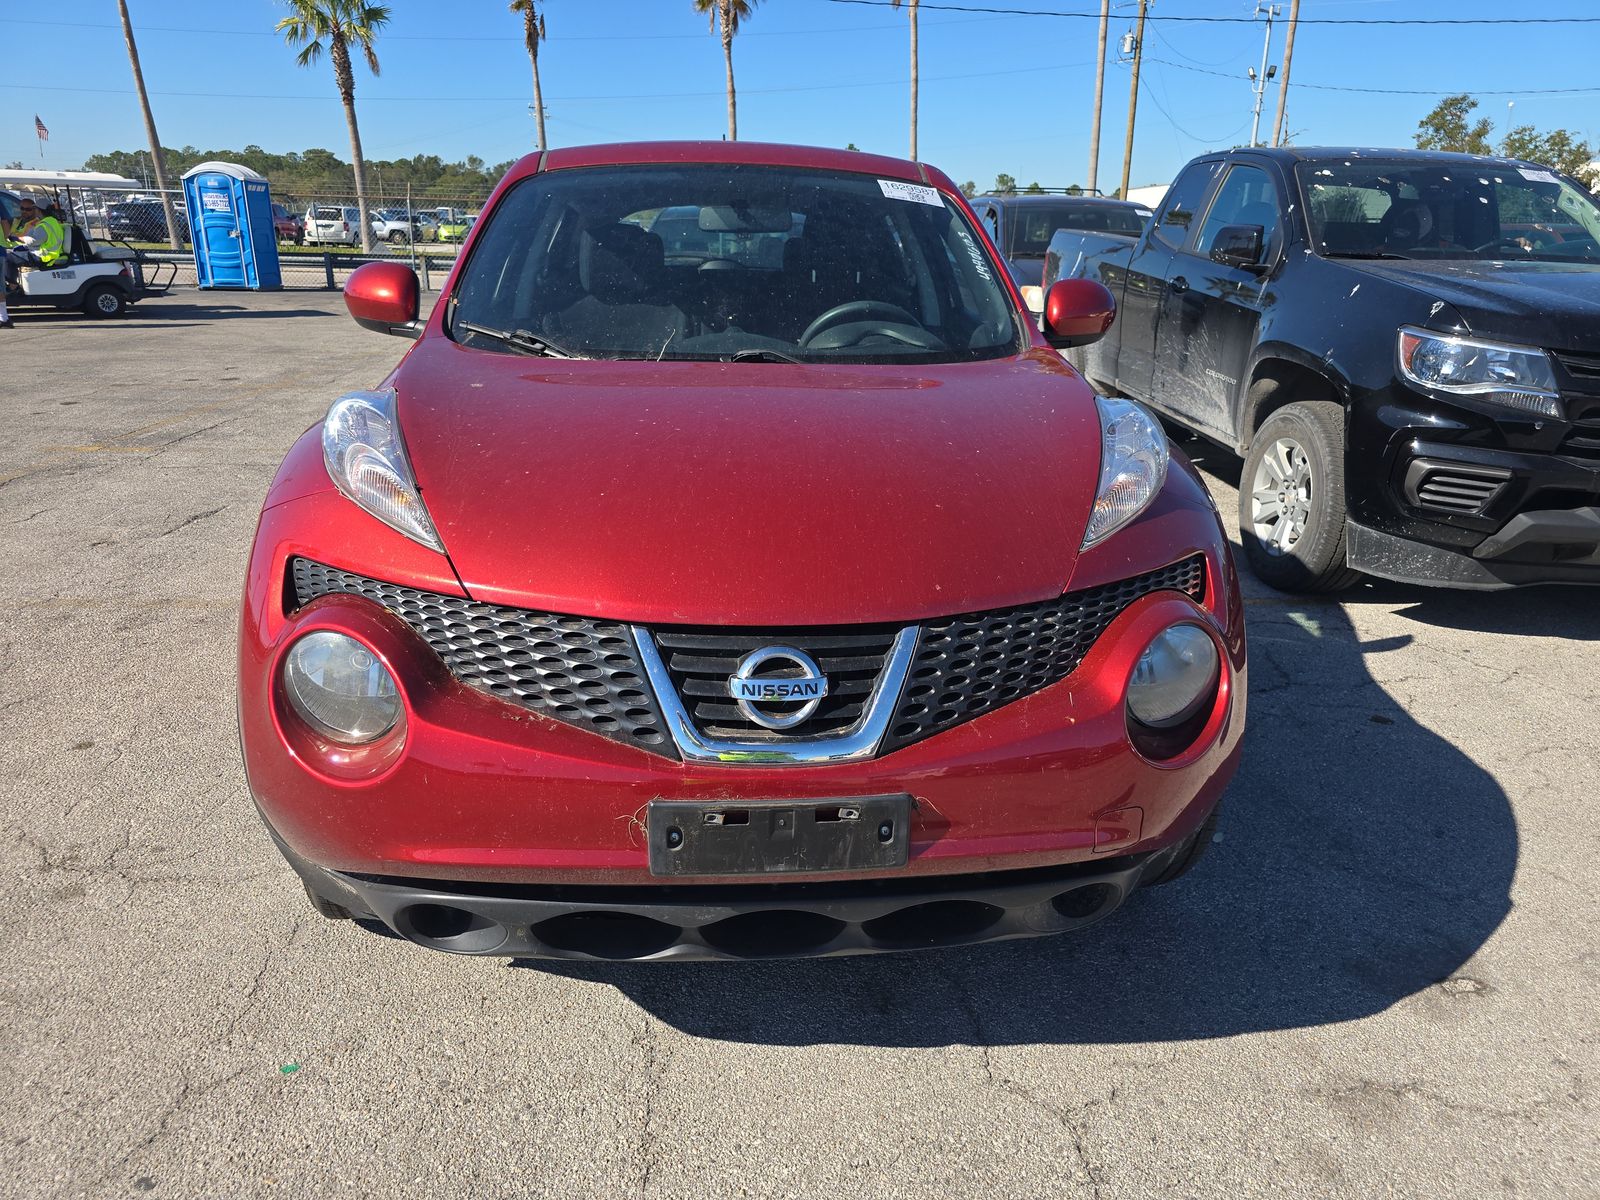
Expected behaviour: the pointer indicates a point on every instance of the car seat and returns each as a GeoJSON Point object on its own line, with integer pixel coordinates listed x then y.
{"type": "Point", "coordinates": [622, 270]}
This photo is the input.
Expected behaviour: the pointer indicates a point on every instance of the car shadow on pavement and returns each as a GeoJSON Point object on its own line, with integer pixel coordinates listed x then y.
{"type": "Point", "coordinates": [1361, 859]}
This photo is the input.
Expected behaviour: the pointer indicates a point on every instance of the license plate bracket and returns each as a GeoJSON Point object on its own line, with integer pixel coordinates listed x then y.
{"type": "Point", "coordinates": [777, 837]}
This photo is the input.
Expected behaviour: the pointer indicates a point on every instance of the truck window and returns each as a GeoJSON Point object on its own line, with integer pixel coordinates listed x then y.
{"type": "Point", "coordinates": [1178, 209]}
{"type": "Point", "coordinates": [1246, 197]}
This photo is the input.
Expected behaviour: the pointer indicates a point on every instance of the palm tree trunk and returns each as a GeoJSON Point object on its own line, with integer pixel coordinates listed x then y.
{"type": "Point", "coordinates": [914, 78]}
{"type": "Point", "coordinates": [157, 159]}
{"type": "Point", "coordinates": [345, 78]}
{"type": "Point", "coordinates": [733, 104]}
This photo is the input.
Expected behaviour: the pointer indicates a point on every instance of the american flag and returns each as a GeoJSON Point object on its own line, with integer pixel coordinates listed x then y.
{"type": "Point", "coordinates": [38, 128]}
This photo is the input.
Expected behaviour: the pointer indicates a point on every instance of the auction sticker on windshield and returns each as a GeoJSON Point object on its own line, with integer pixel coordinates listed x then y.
{"type": "Point", "coordinates": [896, 190]}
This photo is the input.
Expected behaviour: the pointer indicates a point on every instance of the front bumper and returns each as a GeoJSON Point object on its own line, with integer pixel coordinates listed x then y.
{"type": "Point", "coordinates": [753, 920]}
{"type": "Point", "coordinates": [516, 820]}
{"type": "Point", "coordinates": [1443, 495]}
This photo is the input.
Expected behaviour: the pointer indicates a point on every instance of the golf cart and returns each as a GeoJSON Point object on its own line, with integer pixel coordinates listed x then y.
{"type": "Point", "coordinates": [100, 278]}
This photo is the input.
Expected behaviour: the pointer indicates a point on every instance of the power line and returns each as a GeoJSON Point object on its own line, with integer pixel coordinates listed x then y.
{"type": "Point", "coordinates": [928, 5]}
{"type": "Point", "coordinates": [817, 87]}
{"type": "Point", "coordinates": [1333, 87]}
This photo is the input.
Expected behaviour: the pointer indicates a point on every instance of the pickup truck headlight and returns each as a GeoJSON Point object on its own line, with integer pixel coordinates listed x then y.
{"type": "Point", "coordinates": [1133, 466]}
{"type": "Point", "coordinates": [1514, 377]}
{"type": "Point", "coordinates": [366, 460]}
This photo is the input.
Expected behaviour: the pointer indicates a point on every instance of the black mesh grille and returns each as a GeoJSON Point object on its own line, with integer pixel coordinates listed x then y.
{"type": "Point", "coordinates": [578, 670]}
{"type": "Point", "coordinates": [700, 662]}
{"type": "Point", "coordinates": [965, 666]}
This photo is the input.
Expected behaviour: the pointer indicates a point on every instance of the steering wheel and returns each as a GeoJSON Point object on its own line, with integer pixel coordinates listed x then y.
{"type": "Point", "coordinates": [857, 310]}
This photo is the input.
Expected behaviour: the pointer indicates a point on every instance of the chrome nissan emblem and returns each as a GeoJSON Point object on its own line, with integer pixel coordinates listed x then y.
{"type": "Point", "coordinates": [790, 677]}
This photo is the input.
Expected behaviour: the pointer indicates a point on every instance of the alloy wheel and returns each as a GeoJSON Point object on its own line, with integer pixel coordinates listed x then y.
{"type": "Point", "coordinates": [1280, 496]}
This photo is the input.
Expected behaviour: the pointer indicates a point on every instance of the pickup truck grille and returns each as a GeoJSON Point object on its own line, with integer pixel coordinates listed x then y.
{"type": "Point", "coordinates": [1457, 488]}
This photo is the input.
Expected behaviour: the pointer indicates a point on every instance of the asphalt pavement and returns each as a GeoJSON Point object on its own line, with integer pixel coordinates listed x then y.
{"type": "Point", "coordinates": [1384, 980]}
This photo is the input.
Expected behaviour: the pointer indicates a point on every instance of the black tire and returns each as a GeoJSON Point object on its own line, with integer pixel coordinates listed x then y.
{"type": "Point", "coordinates": [104, 301]}
{"type": "Point", "coordinates": [1315, 560]}
{"type": "Point", "coordinates": [397, 237]}
{"type": "Point", "coordinates": [1189, 852]}
{"type": "Point", "coordinates": [327, 908]}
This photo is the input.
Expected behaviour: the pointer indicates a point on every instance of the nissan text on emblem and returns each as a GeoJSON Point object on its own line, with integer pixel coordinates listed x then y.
{"type": "Point", "coordinates": [777, 676]}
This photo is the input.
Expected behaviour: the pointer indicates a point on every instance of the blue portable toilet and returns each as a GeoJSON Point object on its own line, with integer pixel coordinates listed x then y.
{"type": "Point", "coordinates": [235, 240]}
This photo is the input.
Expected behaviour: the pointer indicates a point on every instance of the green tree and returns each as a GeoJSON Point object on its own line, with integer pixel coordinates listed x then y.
{"type": "Point", "coordinates": [1075, 190]}
{"type": "Point", "coordinates": [911, 6]}
{"type": "Point", "coordinates": [1560, 148]}
{"type": "Point", "coordinates": [1450, 127]}
{"type": "Point", "coordinates": [730, 13]}
{"type": "Point", "coordinates": [969, 189]}
{"type": "Point", "coordinates": [1033, 189]}
{"type": "Point", "coordinates": [1005, 185]}
{"type": "Point", "coordinates": [532, 35]}
{"type": "Point", "coordinates": [342, 23]}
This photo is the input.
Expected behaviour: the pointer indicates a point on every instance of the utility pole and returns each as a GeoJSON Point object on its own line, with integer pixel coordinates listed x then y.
{"type": "Point", "coordinates": [156, 158]}
{"type": "Point", "coordinates": [1099, 92]}
{"type": "Point", "coordinates": [1283, 84]}
{"type": "Point", "coordinates": [1133, 101]}
{"type": "Point", "coordinates": [1260, 81]}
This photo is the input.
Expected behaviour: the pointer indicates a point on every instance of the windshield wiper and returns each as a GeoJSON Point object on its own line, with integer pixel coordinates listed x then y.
{"type": "Point", "coordinates": [523, 341]}
{"type": "Point", "coordinates": [762, 355]}
{"type": "Point", "coordinates": [1365, 254]}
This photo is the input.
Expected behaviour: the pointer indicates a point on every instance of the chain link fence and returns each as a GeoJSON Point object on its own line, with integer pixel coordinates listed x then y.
{"type": "Point", "coordinates": [318, 234]}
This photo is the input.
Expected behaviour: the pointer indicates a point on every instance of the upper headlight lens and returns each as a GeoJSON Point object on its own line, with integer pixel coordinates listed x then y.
{"type": "Point", "coordinates": [1518, 377]}
{"type": "Point", "coordinates": [1133, 466]}
{"type": "Point", "coordinates": [340, 688]}
{"type": "Point", "coordinates": [1174, 677]}
{"type": "Point", "coordinates": [367, 461]}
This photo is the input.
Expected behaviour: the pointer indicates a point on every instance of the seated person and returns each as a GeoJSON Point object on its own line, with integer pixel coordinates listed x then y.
{"type": "Point", "coordinates": [40, 242]}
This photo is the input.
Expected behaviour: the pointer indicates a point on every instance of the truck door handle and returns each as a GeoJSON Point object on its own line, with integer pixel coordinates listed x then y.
{"type": "Point", "coordinates": [1178, 284]}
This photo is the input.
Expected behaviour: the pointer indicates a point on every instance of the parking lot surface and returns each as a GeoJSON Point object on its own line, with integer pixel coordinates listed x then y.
{"type": "Point", "coordinates": [1383, 980]}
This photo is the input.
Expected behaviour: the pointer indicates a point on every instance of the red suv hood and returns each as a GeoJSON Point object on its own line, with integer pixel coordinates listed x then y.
{"type": "Point", "coordinates": [751, 493]}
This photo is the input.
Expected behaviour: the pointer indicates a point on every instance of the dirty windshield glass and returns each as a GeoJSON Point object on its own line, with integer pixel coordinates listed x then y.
{"type": "Point", "coordinates": [713, 262]}
{"type": "Point", "coordinates": [1368, 209]}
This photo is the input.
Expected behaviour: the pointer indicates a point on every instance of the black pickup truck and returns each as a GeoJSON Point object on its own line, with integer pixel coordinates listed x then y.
{"type": "Point", "coordinates": [1403, 345]}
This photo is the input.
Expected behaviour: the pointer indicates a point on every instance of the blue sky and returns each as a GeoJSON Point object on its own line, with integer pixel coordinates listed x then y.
{"type": "Point", "coordinates": [999, 93]}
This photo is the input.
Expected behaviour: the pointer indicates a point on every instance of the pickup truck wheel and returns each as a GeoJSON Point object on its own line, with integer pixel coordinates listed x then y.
{"type": "Point", "coordinates": [1291, 500]}
{"type": "Point", "coordinates": [1190, 852]}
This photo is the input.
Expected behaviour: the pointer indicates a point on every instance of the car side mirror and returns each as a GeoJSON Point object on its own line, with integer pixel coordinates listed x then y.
{"type": "Point", "coordinates": [1077, 312]}
{"type": "Point", "coordinates": [1242, 246]}
{"type": "Point", "coordinates": [384, 297]}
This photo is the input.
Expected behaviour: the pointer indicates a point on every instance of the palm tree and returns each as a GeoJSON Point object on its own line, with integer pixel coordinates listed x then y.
{"type": "Point", "coordinates": [157, 158]}
{"type": "Point", "coordinates": [731, 13]}
{"type": "Point", "coordinates": [911, 6]}
{"type": "Point", "coordinates": [343, 23]}
{"type": "Point", "coordinates": [532, 35]}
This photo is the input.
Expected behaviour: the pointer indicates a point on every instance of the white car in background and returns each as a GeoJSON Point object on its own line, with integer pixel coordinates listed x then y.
{"type": "Point", "coordinates": [333, 225]}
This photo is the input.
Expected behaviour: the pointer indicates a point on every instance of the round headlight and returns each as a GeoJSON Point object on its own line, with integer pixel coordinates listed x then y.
{"type": "Point", "coordinates": [340, 688]}
{"type": "Point", "coordinates": [1175, 676]}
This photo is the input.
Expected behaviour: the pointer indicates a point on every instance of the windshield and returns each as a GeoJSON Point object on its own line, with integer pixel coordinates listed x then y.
{"type": "Point", "coordinates": [1033, 225]}
{"type": "Point", "coordinates": [1366, 209]}
{"type": "Point", "coordinates": [713, 261]}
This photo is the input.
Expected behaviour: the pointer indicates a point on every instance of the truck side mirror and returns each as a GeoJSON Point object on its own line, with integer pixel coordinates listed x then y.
{"type": "Point", "coordinates": [1242, 246]}
{"type": "Point", "coordinates": [384, 297]}
{"type": "Point", "coordinates": [1077, 312]}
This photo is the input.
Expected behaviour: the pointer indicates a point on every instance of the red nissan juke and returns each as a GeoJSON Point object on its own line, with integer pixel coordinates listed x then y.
{"type": "Point", "coordinates": [732, 569]}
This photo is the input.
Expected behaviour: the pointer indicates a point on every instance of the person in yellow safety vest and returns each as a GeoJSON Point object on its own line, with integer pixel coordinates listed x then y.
{"type": "Point", "coordinates": [41, 242]}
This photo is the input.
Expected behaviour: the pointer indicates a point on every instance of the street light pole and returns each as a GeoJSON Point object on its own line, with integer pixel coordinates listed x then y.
{"type": "Point", "coordinates": [1133, 102]}
{"type": "Point", "coordinates": [1272, 11]}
